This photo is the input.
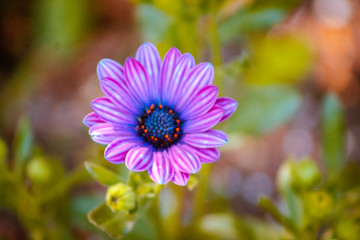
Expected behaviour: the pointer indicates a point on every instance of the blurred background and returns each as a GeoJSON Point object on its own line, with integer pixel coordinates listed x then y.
{"type": "Point", "coordinates": [293, 66]}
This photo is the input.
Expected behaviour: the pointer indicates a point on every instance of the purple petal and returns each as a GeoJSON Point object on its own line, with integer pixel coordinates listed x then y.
{"type": "Point", "coordinates": [108, 112]}
{"type": "Point", "coordinates": [198, 77]}
{"type": "Point", "coordinates": [116, 151]}
{"type": "Point", "coordinates": [137, 80]}
{"type": "Point", "coordinates": [204, 122]}
{"type": "Point", "coordinates": [162, 170]}
{"type": "Point", "coordinates": [167, 70]}
{"type": "Point", "coordinates": [207, 155]}
{"type": "Point", "coordinates": [201, 103]}
{"type": "Point", "coordinates": [229, 105]}
{"type": "Point", "coordinates": [119, 95]}
{"type": "Point", "coordinates": [111, 69]}
{"type": "Point", "coordinates": [149, 57]}
{"type": "Point", "coordinates": [91, 119]}
{"type": "Point", "coordinates": [210, 139]}
{"type": "Point", "coordinates": [184, 64]}
{"type": "Point", "coordinates": [140, 158]}
{"type": "Point", "coordinates": [184, 159]}
{"type": "Point", "coordinates": [180, 178]}
{"type": "Point", "coordinates": [104, 133]}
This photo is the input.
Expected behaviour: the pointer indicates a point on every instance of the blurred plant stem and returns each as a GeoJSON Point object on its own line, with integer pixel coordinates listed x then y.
{"type": "Point", "coordinates": [77, 177]}
{"type": "Point", "coordinates": [215, 44]}
{"type": "Point", "coordinates": [157, 217]}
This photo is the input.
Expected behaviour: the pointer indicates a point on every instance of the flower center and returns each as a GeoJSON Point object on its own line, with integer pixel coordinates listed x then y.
{"type": "Point", "coordinates": [160, 126]}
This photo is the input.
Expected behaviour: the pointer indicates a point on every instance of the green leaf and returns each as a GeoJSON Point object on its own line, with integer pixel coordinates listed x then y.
{"type": "Point", "coordinates": [268, 206]}
{"type": "Point", "coordinates": [153, 22]}
{"type": "Point", "coordinates": [115, 224]}
{"type": "Point", "coordinates": [3, 156]}
{"type": "Point", "coordinates": [101, 174]}
{"type": "Point", "coordinates": [248, 20]}
{"type": "Point", "coordinates": [262, 109]}
{"type": "Point", "coordinates": [333, 134]}
{"type": "Point", "coordinates": [23, 142]}
{"type": "Point", "coordinates": [278, 60]}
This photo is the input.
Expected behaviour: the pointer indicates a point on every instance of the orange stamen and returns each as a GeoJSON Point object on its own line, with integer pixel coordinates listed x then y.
{"type": "Point", "coordinates": [177, 129]}
{"type": "Point", "coordinates": [166, 136]}
{"type": "Point", "coordinates": [145, 130]}
{"type": "Point", "coordinates": [170, 112]}
{"type": "Point", "coordinates": [160, 106]}
{"type": "Point", "coordinates": [143, 127]}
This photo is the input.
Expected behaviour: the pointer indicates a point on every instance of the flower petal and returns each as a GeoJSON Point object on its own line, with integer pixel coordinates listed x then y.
{"type": "Point", "coordinates": [166, 72]}
{"type": "Point", "coordinates": [180, 178]}
{"type": "Point", "coordinates": [207, 155]}
{"type": "Point", "coordinates": [111, 69]}
{"type": "Point", "coordinates": [137, 80]}
{"type": "Point", "coordinates": [204, 122]}
{"type": "Point", "coordinates": [184, 64]}
{"type": "Point", "coordinates": [198, 77]}
{"type": "Point", "coordinates": [104, 133]}
{"type": "Point", "coordinates": [229, 105]}
{"type": "Point", "coordinates": [108, 112]}
{"type": "Point", "coordinates": [116, 151]}
{"type": "Point", "coordinates": [119, 95]}
{"type": "Point", "coordinates": [162, 170]}
{"type": "Point", "coordinates": [140, 158]}
{"type": "Point", "coordinates": [201, 103]}
{"type": "Point", "coordinates": [184, 159]}
{"type": "Point", "coordinates": [149, 57]}
{"type": "Point", "coordinates": [210, 139]}
{"type": "Point", "coordinates": [91, 119]}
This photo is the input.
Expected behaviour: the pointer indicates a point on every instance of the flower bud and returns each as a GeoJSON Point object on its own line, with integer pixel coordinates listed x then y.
{"type": "Point", "coordinates": [120, 197]}
{"type": "Point", "coordinates": [39, 169]}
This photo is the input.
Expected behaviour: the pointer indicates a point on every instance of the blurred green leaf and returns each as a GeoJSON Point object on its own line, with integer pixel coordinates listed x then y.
{"type": "Point", "coordinates": [60, 24]}
{"type": "Point", "coordinates": [114, 224]}
{"type": "Point", "coordinates": [193, 182]}
{"type": "Point", "coordinates": [333, 134]}
{"type": "Point", "coordinates": [267, 205]}
{"type": "Point", "coordinates": [279, 60]}
{"type": "Point", "coordinates": [3, 157]}
{"type": "Point", "coordinates": [248, 20]}
{"type": "Point", "coordinates": [120, 197]}
{"type": "Point", "coordinates": [101, 174]}
{"type": "Point", "coordinates": [221, 226]}
{"type": "Point", "coordinates": [153, 22]}
{"type": "Point", "coordinates": [23, 142]}
{"type": "Point", "coordinates": [262, 109]}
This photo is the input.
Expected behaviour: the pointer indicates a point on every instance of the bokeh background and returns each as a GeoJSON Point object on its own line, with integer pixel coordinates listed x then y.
{"type": "Point", "coordinates": [293, 66]}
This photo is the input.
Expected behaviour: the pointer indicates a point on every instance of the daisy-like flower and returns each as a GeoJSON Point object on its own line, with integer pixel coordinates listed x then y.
{"type": "Point", "coordinates": [157, 115]}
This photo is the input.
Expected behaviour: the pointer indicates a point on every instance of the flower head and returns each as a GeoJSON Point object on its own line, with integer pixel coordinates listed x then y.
{"type": "Point", "coordinates": [157, 115]}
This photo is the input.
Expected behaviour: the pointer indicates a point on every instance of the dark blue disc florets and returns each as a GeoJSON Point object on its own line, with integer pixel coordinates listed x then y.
{"type": "Point", "coordinates": [160, 126]}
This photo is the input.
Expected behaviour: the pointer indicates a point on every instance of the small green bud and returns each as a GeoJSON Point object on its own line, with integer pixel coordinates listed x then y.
{"type": "Point", "coordinates": [120, 197]}
{"type": "Point", "coordinates": [318, 204]}
{"type": "Point", "coordinates": [39, 170]}
{"type": "Point", "coordinates": [306, 174]}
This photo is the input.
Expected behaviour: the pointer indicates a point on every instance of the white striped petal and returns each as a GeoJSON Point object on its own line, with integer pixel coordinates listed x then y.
{"type": "Point", "coordinates": [109, 112]}
{"type": "Point", "coordinates": [184, 159]}
{"type": "Point", "coordinates": [137, 80]}
{"type": "Point", "coordinates": [229, 105]}
{"type": "Point", "coordinates": [140, 158]}
{"type": "Point", "coordinates": [91, 119]}
{"type": "Point", "coordinates": [166, 72]}
{"type": "Point", "coordinates": [111, 69]}
{"type": "Point", "coordinates": [162, 170]}
{"type": "Point", "coordinates": [201, 103]}
{"type": "Point", "coordinates": [209, 139]}
{"type": "Point", "coordinates": [204, 122]}
{"type": "Point", "coordinates": [180, 178]}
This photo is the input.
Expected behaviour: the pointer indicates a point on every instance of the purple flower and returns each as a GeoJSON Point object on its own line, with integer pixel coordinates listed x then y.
{"type": "Point", "coordinates": [157, 115]}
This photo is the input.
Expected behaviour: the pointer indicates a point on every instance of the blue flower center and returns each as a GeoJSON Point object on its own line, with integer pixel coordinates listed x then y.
{"type": "Point", "coordinates": [160, 126]}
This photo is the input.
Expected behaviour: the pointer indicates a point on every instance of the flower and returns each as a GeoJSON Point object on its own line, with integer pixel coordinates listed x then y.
{"type": "Point", "coordinates": [157, 115]}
